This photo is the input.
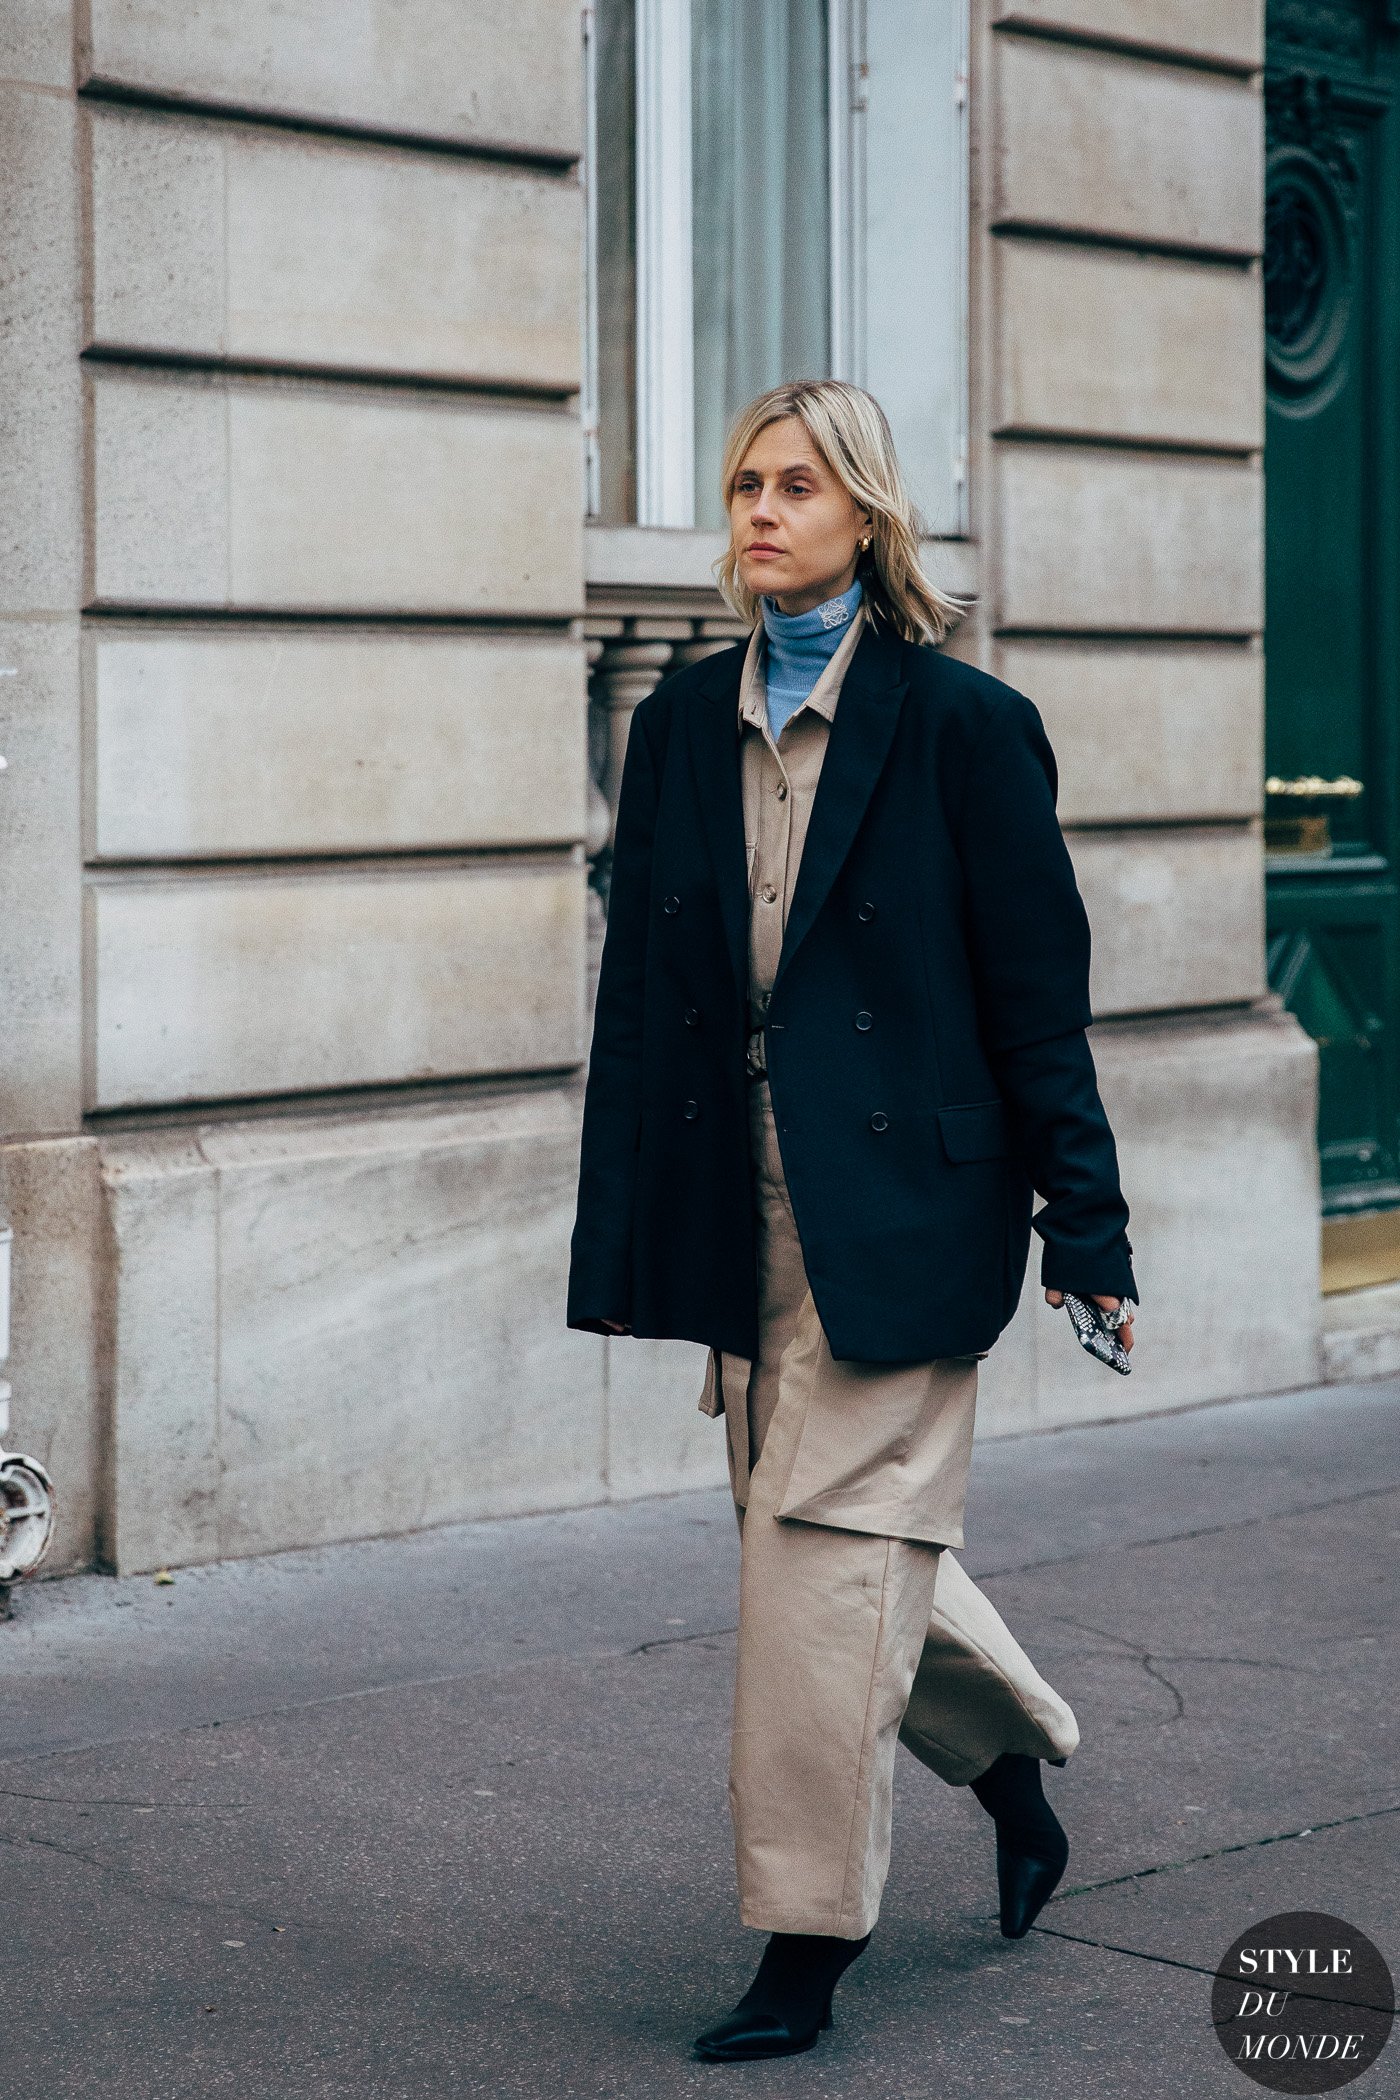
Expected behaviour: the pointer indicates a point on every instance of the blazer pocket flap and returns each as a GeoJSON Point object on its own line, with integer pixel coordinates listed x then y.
{"type": "Point", "coordinates": [974, 1130]}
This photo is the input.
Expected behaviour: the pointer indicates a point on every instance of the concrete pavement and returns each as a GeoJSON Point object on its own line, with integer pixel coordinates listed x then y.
{"type": "Point", "coordinates": [446, 1815]}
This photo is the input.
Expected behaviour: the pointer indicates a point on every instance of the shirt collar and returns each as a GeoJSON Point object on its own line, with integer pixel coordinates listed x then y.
{"type": "Point", "coordinates": [753, 703]}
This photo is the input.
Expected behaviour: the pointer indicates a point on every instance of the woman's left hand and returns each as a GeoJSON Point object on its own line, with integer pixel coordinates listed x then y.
{"type": "Point", "coordinates": [1125, 1332]}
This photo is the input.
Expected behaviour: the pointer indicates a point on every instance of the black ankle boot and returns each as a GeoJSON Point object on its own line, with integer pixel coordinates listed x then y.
{"type": "Point", "coordinates": [1032, 1849]}
{"type": "Point", "coordinates": [788, 2003]}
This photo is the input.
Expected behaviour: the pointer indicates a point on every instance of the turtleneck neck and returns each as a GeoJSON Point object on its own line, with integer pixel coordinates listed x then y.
{"type": "Point", "coordinates": [800, 646]}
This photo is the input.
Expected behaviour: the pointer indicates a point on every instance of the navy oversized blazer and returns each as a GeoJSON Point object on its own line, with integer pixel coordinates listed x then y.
{"type": "Point", "coordinates": [936, 901]}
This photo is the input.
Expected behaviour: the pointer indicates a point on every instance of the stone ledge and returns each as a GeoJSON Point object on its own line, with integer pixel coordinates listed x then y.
{"type": "Point", "coordinates": [1226, 34]}
{"type": "Point", "coordinates": [1361, 1334]}
{"type": "Point", "coordinates": [350, 1327]}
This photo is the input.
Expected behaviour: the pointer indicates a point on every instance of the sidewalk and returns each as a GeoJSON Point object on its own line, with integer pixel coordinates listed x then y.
{"type": "Point", "coordinates": [446, 1815]}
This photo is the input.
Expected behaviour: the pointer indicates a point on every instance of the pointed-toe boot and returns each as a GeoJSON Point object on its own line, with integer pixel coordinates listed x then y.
{"type": "Point", "coordinates": [787, 2005]}
{"type": "Point", "coordinates": [1026, 1880]}
{"type": "Point", "coordinates": [1032, 1849]}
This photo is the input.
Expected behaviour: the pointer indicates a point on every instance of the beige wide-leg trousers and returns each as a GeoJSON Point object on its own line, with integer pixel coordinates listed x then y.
{"type": "Point", "coordinates": [853, 1635]}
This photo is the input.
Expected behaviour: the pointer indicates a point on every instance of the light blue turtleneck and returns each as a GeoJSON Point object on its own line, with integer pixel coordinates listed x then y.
{"type": "Point", "coordinates": [800, 646]}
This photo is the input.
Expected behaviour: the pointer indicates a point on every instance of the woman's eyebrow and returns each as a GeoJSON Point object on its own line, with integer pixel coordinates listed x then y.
{"type": "Point", "coordinates": [801, 466]}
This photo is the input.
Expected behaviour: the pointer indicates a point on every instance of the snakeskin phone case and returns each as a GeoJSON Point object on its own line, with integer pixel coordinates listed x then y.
{"type": "Point", "coordinates": [1094, 1334]}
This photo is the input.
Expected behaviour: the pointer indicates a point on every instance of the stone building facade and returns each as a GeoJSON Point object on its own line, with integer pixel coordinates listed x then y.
{"type": "Point", "coordinates": [318, 678]}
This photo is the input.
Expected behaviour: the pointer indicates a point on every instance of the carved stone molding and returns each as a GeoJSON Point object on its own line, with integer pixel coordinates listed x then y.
{"type": "Point", "coordinates": [1301, 111]}
{"type": "Point", "coordinates": [629, 655]}
{"type": "Point", "coordinates": [1335, 26]}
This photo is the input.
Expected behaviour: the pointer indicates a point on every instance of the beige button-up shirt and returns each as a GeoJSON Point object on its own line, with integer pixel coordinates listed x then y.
{"type": "Point", "coordinates": [879, 1448]}
{"type": "Point", "coordinates": [779, 788]}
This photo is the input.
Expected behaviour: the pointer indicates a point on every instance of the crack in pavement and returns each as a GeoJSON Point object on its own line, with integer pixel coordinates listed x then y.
{"type": "Point", "coordinates": [178, 1808]}
{"type": "Point", "coordinates": [1237, 1662]}
{"type": "Point", "coordinates": [679, 1640]}
{"type": "Point", "coordinates": [1196, 1859]}
{"type": "Point", "coordinates": [161, 1893]}
{"type": "Point", "coordinates": [51, 1845]}
{"type": "Point", "coordinates": [1148, 1658]}
{"type": "Point", "coordinates": [1160, 1677]}
{"type": "Point", "coordinates": [1195, 1968]}
{"type": "Point", "coordinates": [1173, 1538]}
{"type": "Point", "coordinates": [1171, 1961]}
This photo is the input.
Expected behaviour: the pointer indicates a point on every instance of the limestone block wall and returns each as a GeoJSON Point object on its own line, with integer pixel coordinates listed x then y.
{"type": "Point", "coordinates": [292, 839]}
{"type": "Point", "coordinates": [1117, 498]}
{"type": "Point", "coordinates": [1115, 562]}
{"type": "Point", "coordinates": [296, 834]}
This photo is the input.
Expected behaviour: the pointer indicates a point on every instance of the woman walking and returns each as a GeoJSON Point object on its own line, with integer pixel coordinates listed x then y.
{"type": "Point", "coordinates": [839, 1041]}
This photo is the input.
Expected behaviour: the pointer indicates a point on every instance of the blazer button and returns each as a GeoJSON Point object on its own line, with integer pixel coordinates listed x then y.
{"type": "Point", "coordinates": [691, 1111]}
{"type": "Point", "coordinates": [671, 906]}
{"type": "Point", "coordinates": [879, 1121]}
{"type": "Point", "coordinates": [692, 1017]}
{"type": "Point", "coordinates": [863, 1022]}
{"type": "Point", "coordinates": [865, 913]}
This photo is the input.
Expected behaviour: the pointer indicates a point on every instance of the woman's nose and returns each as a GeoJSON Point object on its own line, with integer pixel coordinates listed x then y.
{"type": "Point", "coordinates": [762, 512]}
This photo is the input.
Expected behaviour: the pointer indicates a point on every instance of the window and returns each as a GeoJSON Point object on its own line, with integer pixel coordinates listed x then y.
{"type": "Point", "coordinates": [777, 189]}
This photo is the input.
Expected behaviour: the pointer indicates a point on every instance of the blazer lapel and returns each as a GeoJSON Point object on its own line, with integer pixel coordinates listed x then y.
{"type": "Point", "coordinates": [861, 734]}
{"type": "Point", "coordinates": [714, 752]}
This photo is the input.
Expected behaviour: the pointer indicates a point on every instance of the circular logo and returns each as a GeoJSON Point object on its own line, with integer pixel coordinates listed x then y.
{"type": "Point", "coordinates": [1303, 2002]}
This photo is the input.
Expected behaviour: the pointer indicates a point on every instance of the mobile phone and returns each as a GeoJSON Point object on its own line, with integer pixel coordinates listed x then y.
{"type": "Point", "coordinates": [1093, 1333]}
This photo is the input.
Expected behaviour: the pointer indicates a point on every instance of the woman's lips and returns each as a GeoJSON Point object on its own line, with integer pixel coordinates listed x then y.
{"type": "Point", "coordinates": [765, 552]}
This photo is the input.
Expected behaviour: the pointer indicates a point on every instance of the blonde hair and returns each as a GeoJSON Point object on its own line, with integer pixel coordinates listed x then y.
{"type": "Point", "coordinates": [849, 429]}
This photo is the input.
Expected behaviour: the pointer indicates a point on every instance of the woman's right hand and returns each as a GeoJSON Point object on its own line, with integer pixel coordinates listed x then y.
{"type": "Point", "coordinates": [1125, 1332]}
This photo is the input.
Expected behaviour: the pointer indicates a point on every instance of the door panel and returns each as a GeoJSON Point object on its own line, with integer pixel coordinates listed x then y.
{"type": "Point", "coordinates": [1331, 207]}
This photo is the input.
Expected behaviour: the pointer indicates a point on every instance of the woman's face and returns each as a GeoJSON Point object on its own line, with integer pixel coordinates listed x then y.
{"type": "Point", "coordinates": [794, 527]}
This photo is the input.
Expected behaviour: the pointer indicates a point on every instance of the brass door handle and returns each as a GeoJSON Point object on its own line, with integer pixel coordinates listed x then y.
{"type": "Point", "coordinates": [1311, 787]}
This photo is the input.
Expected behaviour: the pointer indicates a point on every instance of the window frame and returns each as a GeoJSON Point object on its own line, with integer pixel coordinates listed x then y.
{"type": "Point", "coordinates": [663, 408]}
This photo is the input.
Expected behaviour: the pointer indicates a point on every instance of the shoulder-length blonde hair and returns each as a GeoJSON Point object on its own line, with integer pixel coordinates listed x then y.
{"type": "Point", "coordinates": [849, 429]}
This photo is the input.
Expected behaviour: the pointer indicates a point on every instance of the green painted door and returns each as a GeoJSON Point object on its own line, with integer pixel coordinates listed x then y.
{"type": "Point", "coordinates": [1332, 319]}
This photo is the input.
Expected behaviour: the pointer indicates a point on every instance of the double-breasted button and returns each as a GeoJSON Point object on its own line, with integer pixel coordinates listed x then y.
{"type": "Point", "coordinates": [879, 1121]}
{"type": "Point", "coordinates": [671, 906]}
{"type": "Point", "coordinates": [768, 893]}
{"type": "Point", "coordinates": [691, 1111]}
{"type": "Point", "coordinates": [692, 1017]}
{"type": "Point", "coordinates": [865, 913]}
{"type": "Point", "coordinates": [863, 1021]}
{"type": "Point", "coordinates": [781, 791]}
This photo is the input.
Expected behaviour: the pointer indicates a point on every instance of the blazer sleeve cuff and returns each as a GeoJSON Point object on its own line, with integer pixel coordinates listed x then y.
{"type": "Point", "coordinates": [1089, 1272]}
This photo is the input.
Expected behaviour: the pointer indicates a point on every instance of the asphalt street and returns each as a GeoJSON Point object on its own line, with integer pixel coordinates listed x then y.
{"type": "Point", "coordinates": [446, 1815]}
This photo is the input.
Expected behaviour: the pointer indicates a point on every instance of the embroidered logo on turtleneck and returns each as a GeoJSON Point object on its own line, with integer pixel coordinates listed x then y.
{"type": "Point", "coordinates": [834, 613]}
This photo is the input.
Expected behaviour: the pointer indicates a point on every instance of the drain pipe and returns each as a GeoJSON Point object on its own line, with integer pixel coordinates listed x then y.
{"type": "Point", "coordinates": [26, 1492]}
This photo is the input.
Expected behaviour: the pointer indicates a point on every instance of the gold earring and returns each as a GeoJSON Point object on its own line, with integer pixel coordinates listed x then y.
{"type": "Point", "coordinates": [865, 543]}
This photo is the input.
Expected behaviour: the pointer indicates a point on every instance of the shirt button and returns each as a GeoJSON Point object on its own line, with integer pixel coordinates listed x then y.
{"type": "Point", "coordinates": [863, 1021]}
{"type": "Point", "coordinates": [865, 913]}
{"type": "Point", "coordinates": [768, 893]}
{"type": "Point", "coordinates": [879, 1121]}
{"type": "Point", "coordinates": [691, 1111]}
{"type": "Point", "coordinates": [781, 792]}
{"type": "Point", "coordinates": [671, 906]}
{"type": "Point", "coordinates": [692, 1017]}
